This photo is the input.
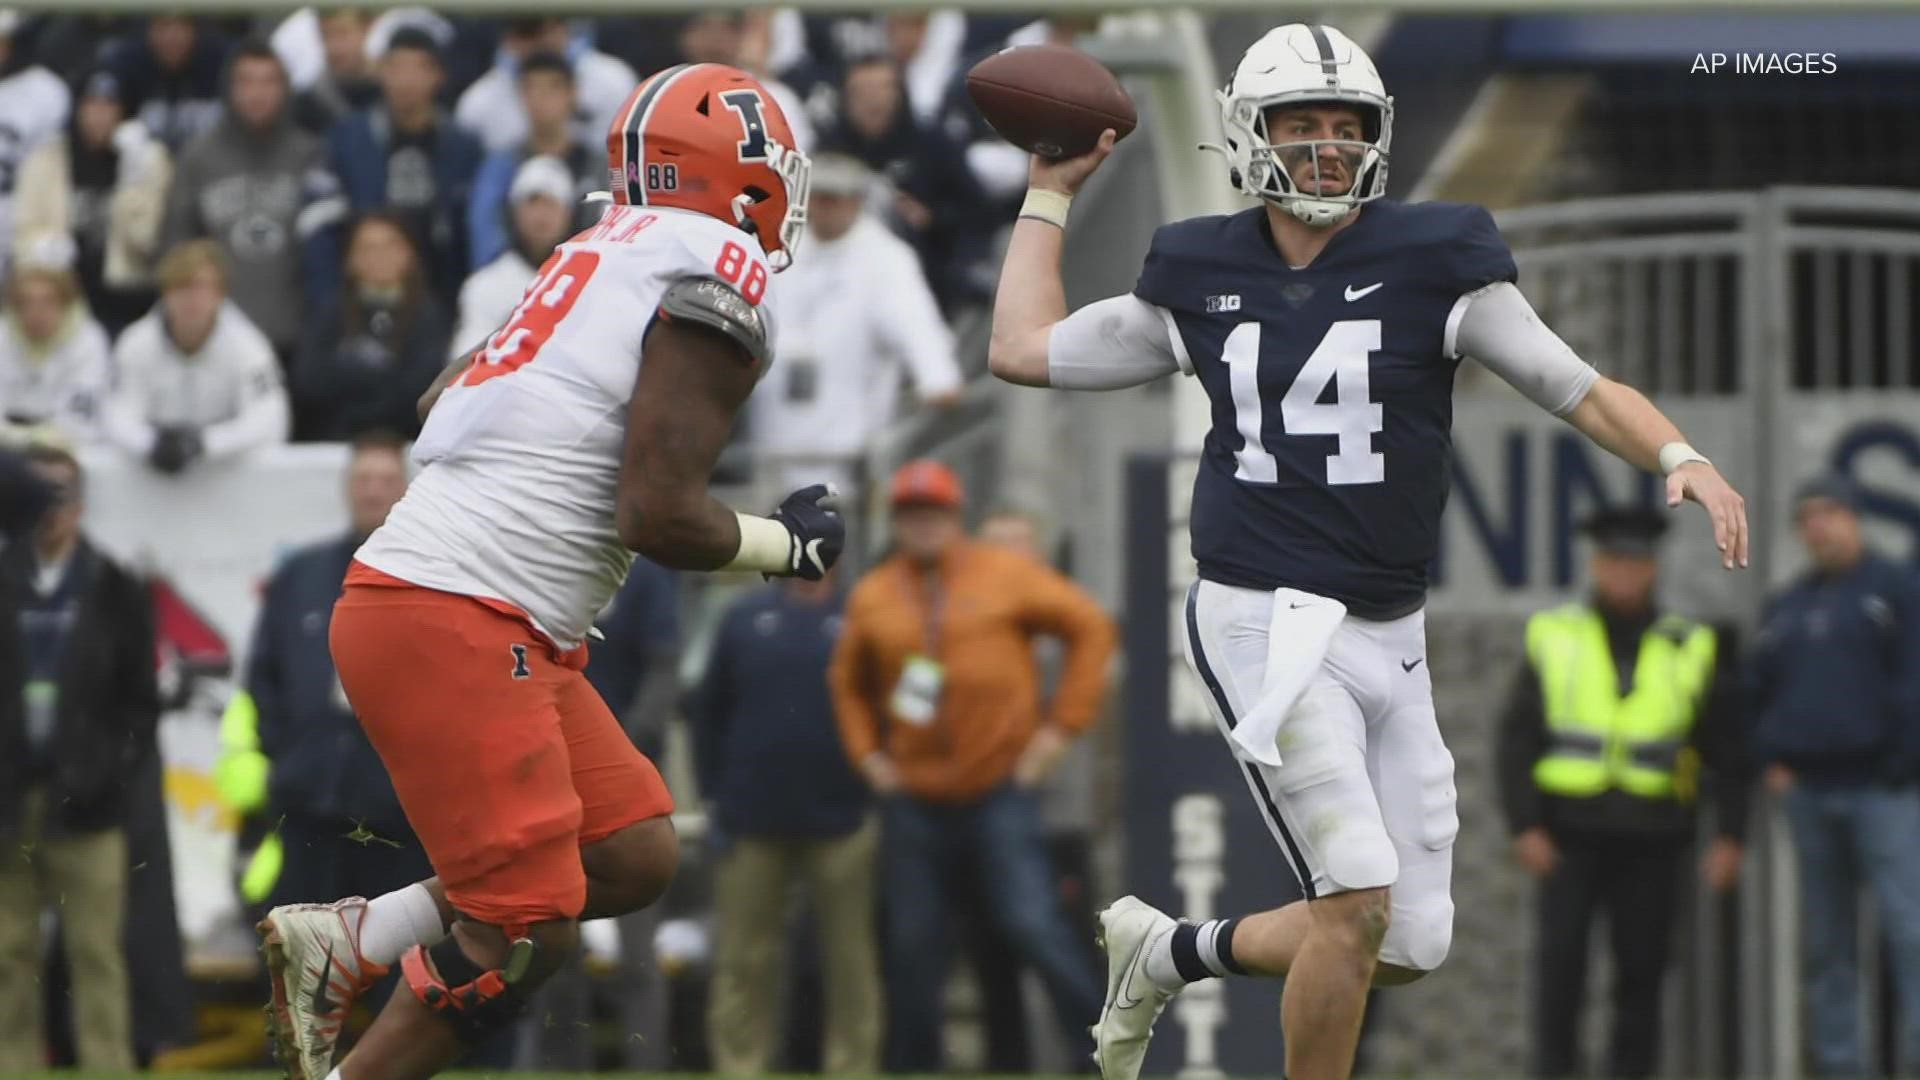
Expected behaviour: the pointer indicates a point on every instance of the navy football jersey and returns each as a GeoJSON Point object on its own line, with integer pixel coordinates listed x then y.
{"type": "Point", "coordinates": [1326, 467]}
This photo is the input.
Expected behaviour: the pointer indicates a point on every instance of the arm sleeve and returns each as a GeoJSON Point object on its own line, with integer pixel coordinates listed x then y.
{"type": "Point", "coordinates": [1717, 738]}
{"type": "Point", "coordinates": [1059, 607]}
{"type": "Point", "coordinates": [848, 678]}
{"type": "Point", "coordinates": [1523, 738]}
{"type": "Point", "coordinates": [1496, 326]}
{"type": "Point", "coordinates": [1114, 343]}
{"type": "Point", "coordinates": [262, 419]}
{"type": "Point", "coordinates": [912, 329]}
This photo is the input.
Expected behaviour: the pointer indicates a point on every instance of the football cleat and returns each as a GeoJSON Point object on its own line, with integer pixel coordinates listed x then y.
{"type": "Point", "coordinates": [314, 964]}
{"type": "Point", "coordinates": [1128, 928]}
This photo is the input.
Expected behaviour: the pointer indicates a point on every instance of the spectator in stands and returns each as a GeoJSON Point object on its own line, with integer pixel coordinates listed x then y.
{"type": "Point", "coordinates": [492, 108]}
{"type": "Point", "coordinates": [243, 185]}
{"type": "Point", "coordinates": [195, 378]}
{"type": "Point", "coordinates": [938, 205]}
{"type": "Point", "coordinates": [33, 109]}
{"type": "Point", "coordinates": [403, 155]}
{"type": "Point", "coordinates": [346, 85]}
{"type": "Point", "coordinates": [1835, 679]}
{"type": "Point", "coordinates": [541, 217]}
{"type": "Point", "coordinates": [54, 366]}
{"type": "Point", "coordinates": [366, 359]}
{"type": "Point", "coordinates": [171, 74]}
{"type": "Point", "coordinates": [856, 315]}
{"type": "Point", "coordinates": [926, 47]}
{"type": "Point", "coordinates": [937, 696]}
{"type": "Point", "coordinates": [788, 811]}
{"type": "Point", "coordinates": [85, 637]}
{"type": "Point", "coordinates": [103, 184]}
{"type": "Point", "coordinates": [69, 45]}
{"type": "Point", "coordinates": [547, 90]}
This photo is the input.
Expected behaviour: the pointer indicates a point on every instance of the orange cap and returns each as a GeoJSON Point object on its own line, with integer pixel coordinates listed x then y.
{"type": "Point", "coordinates": [927, 483]}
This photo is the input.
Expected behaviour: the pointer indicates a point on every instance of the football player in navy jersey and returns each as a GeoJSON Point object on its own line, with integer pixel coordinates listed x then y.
{"type": "Point", "coordinates": [1325, 325]}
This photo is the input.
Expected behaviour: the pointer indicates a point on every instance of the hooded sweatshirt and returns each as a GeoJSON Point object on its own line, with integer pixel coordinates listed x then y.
{"type": "Point", "coordinates": [245, 189]}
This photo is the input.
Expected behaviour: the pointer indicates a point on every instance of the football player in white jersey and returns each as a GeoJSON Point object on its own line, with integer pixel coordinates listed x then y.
{"type": "Point", "coordinates": [580, 432]}
{"type": "Point", "coordinates": [1325, 325]}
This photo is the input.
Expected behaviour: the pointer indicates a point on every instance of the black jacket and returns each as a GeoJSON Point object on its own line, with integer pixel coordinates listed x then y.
{"type": "Point", "coordinates": [109, 698]}
{"type": "Point", "coordinates": [324, 769]}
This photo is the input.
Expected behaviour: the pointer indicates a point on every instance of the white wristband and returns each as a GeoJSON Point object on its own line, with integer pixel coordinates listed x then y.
{"type": "Point", "coordinates": [765, 545]}
{"type": "Point", "coordinates": [1047, 206]}
{"type": "Point", "coordinates": [1675, 454]}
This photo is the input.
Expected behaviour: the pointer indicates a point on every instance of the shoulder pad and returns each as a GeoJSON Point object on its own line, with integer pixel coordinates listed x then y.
{"type": "Point", "coordinates": [719, 306]}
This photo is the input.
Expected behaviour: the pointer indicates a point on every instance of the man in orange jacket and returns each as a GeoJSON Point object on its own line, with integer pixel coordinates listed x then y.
{"type": "Point", "coordinates": [938, 701]}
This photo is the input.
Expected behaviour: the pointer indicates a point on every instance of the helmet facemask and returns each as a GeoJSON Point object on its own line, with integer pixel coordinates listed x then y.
{"type": "Point", "coordinates": [795, 171]}
{"type": "Point", "coordinates": [1261, 167]}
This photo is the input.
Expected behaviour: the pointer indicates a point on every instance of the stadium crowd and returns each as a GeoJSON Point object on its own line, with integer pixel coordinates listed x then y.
{"type": "Point", "coordinates": [222, 234]}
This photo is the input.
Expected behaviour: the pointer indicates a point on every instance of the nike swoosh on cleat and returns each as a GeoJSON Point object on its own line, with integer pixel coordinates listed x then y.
{"type": "Point", "coordinates": [323, 1002]}
{"type": "Point", "coordinates": [1126, 987]}
{"type": "Point", "coordinates": [1355, 294]}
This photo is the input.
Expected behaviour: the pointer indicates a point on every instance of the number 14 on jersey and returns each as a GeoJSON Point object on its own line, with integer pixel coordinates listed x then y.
{"type": "Point", "coordinates": [1343, 358]}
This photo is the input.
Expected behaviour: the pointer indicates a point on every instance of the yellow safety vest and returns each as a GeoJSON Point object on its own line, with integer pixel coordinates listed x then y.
{"type": "Point", "coordinates": [1596, 739]}
{"type": "Point", "coordinates": [241, 775]}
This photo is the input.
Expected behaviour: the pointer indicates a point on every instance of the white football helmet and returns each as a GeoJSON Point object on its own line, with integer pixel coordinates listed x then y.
{"type": "Point", "coordinates": [1300, 64]}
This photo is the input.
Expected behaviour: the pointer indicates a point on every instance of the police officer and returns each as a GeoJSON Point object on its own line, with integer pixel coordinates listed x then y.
{"type": "Point", "coordinates": [1613, 715]}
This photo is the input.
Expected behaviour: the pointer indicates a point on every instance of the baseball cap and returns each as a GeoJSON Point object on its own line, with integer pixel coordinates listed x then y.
{"type": "Point", "coordinates": [542, 175]}
{"type": "Point", "coordinates": [1631, 531]}
{"type": "Point", "coordinates": [927, 483]}
{"type": "Point", "coordinates": [1832, 487]}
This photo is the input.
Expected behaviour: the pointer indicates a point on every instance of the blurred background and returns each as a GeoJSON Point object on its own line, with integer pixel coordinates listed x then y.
{"type": "Point", "coordinates": [238, 246]}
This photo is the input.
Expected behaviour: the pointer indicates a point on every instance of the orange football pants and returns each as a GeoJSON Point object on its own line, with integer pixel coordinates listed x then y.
{"type": "Point", "coordinates": [505, 758]}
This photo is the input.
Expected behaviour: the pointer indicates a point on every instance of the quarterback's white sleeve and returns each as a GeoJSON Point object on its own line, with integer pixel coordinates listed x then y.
{"type": "Point", "coordinates": [262, 418]}
{"type": "Point", "coordinates": [1496, 326]}
{"type": "Point", "coordinates": [911, 328]}
{"type": "Point", "coordinates": [1114, 343]}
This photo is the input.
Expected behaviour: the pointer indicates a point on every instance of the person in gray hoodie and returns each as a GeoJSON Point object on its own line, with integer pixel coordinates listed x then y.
{"type": "Point", "coordinates": [243, 185]}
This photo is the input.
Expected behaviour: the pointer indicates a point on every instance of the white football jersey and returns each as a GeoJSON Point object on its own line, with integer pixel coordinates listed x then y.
{"type": "Point", "coordinates": [520, 458]}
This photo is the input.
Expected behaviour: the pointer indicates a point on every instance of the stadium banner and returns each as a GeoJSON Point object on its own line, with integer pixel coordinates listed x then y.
{"type": "Point", "coordinates": [211, 535]}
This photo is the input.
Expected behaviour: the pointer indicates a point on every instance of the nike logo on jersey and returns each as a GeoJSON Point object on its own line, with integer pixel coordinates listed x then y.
{"type": "Point", "coordinates": [1409, 665]}
{"type": "Point", "coordinates": [1355, 294]}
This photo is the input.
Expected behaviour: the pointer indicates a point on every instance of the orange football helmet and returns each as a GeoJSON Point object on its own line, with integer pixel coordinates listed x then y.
{"type": "Point", "coordinates": [710, 138]}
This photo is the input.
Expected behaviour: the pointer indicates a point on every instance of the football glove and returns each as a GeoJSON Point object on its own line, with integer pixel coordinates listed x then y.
{"type": "Point", "coordinates": [817, 533]}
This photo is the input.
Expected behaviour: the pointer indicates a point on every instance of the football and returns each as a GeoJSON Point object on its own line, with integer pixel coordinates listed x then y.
{"type": "Point", "coordinates": [1050, 100]}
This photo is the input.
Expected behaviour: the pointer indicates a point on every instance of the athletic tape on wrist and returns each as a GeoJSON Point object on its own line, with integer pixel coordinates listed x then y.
{"type": "Point", "coordinates": [1047, 206]}
{"type": "Point", "coordinates": [765, 546]}
{"type": "Point", "coordinates": [1675, 454]}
